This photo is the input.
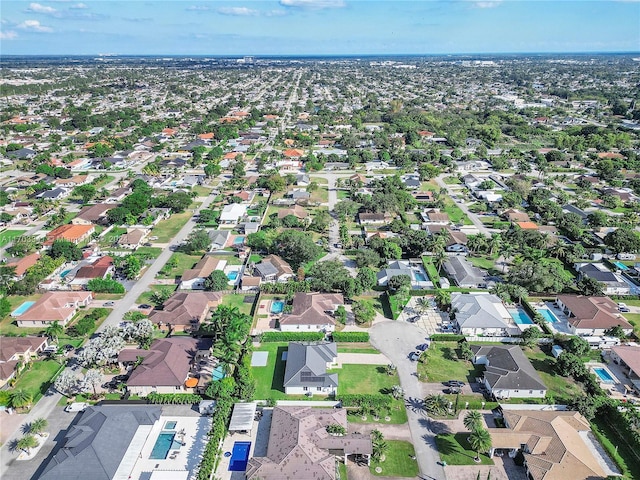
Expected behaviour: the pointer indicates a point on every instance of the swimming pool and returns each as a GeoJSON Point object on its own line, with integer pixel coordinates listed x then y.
{"type": "Point", "coordinates": [520, 317]}
{"type": "Point", "coordinates": [238, 240]}
{"type": "Point", "coordinates": [218, 373]}
{"type": "Point", "coordinates": [239, 456]}
{"type": "Point", "coordinates": [162, 446]}
{"type": "Point", "coordinates": [620, 265]}
{"type": "Point", "coordinates": [65, 273]}
{"type": "Point", "coordinates": [170, 425]}
{"type": "Point", "coordinates": [547, 315]}
{"type": "Point", "coordinates": [604, 375]}
{"type": "Point", "coordinates": [277, 306]}
{"type": "Point", "coordinates": [420, 277]}
{"type": "Point", "coordinates": [22, 308]}
{"type": "Point", "coordinates": [232, 275]}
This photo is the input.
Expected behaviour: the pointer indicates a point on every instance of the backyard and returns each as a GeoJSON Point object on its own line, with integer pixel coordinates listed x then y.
{"type": "Point", "coordinates": [165, 230]}
{"type": "Point", "coordinates": [455, 450]}
{"type": "Point", "coordinates": [238, 300]}
{"type": "Point", "coordinates": [399, 461]}
{"type": "Point", "coordinates": [37, 378]}
{"type": "Point", "coordinates": [562, 389]}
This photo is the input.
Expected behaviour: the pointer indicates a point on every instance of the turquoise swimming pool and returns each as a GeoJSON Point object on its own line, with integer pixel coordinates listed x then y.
{"type": "Point", "coordinates": [620, 265]}
{"type": "Point", "coordinates": [520, 317]}
{"type": "Point", "coordinates": [163, 445]}
{"type": "Point", "coordinates": [238, 240]}
{"type": "Point", "coordinates": [420, 277]}
{"type": "Point", "coordinates": [232, 275]}
{"type": "Point", "coordinates": [604, 375]}
{"type": "Point", "coordinates": [22, 308]}
{"type": "Point", "coordinates": [277, 306]}
{"type": "Point", "coordinates": [547, 315]}
{"type": "Point", "coordinates": [65, 273]}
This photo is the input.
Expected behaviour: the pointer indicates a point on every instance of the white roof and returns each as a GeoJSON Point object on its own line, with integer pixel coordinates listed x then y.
{"type": "Point", "coordinates": [479, 311]}
{"type": "Point", "coordinates": [242, 416]}
{"type": "Point", "coordinates": [233, 211]}
{"type": "Point", "coordinates": [169, 475]}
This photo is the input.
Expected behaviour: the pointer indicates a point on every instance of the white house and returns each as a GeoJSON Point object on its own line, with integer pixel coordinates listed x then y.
{"type": "Point", "coordinates": [592, 316]}
{"type": "Point", "coordinates": [306, 369]}
{"type": "Point", "coordinates": [232, 213]}
{"type": "Point", "coordinates": [482, 314]}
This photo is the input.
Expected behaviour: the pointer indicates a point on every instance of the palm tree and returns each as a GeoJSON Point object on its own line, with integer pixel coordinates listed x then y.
{"type": "Point", "coordinates": [480, 441]}
{"type": "Point", "coordinates": [435, 404]}
{"type": "Point", "coordinates": [380, 446]}
{"type": "Point", "coordinates": [443, 299]}
{"type": "Point", "coordinates": [20, 398]}
{"type": "Point", "coordinates": [27, 442]}
{"type": "Point", "coordinates": [38, 425]}
{"type": "Point", "coordinates": [423, 305]}
{"type": "Point", "coordinates": [495, 242]}
{"type": "Point", "coordinates": [439, 258]}
{"type": "Point", "coordinates": [54, 330]}
{"type": "Point", "coordinates": [473, 420]}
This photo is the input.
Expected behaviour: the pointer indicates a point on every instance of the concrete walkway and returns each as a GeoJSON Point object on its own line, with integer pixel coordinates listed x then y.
{"type": "Point", "coordinates": [362, 359]}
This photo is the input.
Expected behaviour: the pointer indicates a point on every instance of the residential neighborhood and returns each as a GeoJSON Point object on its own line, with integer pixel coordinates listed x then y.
{"type": "Point", "coordinates": [270, 268]}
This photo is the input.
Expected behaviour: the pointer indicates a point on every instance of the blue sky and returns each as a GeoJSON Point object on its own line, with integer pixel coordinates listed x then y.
{"type": "Point", "coordinates": [317, 27]}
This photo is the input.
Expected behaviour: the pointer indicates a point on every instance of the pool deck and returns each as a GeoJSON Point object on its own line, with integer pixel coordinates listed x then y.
{"type": "Point", "coordinates": [558, 327]}
{"type": "Point", "coordinates": [616, 390]}
{"type": "Point", "coordinates": [188, 457]}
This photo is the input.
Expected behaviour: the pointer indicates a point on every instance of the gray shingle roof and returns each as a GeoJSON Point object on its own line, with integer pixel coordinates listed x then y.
{"type": "Point", "coordinates": [508, 368]}
{"type": "Point", "coordinates": [307, 365]}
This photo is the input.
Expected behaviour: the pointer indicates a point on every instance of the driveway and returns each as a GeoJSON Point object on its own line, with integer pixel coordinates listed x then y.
{"type": "Point", "coordinates": [396, 340]}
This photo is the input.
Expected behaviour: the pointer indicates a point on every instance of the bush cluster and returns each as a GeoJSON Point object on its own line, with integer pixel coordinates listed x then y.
{"type": "Point", "coordinates": [291, 337]}
{"type": "Point", "coordinates": [350, 336]}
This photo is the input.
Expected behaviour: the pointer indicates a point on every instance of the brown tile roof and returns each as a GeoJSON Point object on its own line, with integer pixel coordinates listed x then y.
{"type": "Point", "coordinates": [93, 213]}
{"type": "Point", "coordinates": [202, 269]}
{"type": "Point", "coordinates": [132, 237]}
{"type": "Point", "coordinates": [183, 307]}
{"type": "Point", "coordinates": [10, 346]}
{"type": "Point", "coordinates": [281, 265]}
{"type": "Point", "coordinates": [527, 225]}
{"type": "Point", "coordinates": [23, 263]}
{"type": "Point", "coordinates": [310, 308]}
{"type": "Point", "coordinates": [7, 369]}
{"type": "Point", "coordinates": [97, 269]}
{"type": "Point", "coordinates": [54, 306]}
{"type": "Point", "coordinates": [593, 312]}
{"type": "Point", "coordinates": [299, 445]}
{"type": "Point", "coordinates": [73, 233]}
{"type": "Point", "coordinates": [297, 211]}
{"type": "Point", "coordinates": [293, 153]}
{"type": "Point", "coordinates": [630, 355]}
{"type": "Point", "coordinates": [516, 216]}
{"type": "Point", "coordinates": [556, 449]}
{"type": "Point", "coordinates": [166, 363]}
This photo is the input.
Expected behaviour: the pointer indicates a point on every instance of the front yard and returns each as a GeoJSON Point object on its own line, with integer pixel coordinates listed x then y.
{"type": "Point", "coordinates": [354, 379]}
{"type": "Point", "coordinates": [455, 450]}
{"type": "Point", "coordinates": [440, 363]}
{"type": "Point", "coordinates": [399, 461]}
{"type": "Point", "coordinates": [36, 380]}
{"type": "Point", "coordinates": [183, 262]}
{"type": "Point", "coordinates": [165, 230]}
{"type": "Point", "coordinates": [9, 235]}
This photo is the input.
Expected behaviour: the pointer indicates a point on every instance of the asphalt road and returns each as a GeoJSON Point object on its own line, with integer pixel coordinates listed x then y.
{"type": "Point", "coordinates": [396, 340]}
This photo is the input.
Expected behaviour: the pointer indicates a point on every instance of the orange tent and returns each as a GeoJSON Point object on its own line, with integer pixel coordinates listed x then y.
{"type": "Point", "coordinates": [191, 382]}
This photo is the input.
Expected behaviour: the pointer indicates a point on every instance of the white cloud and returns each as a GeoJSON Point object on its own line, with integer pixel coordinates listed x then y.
{"type": "Point", "coordinates": [39, 8]}
{"type": "Point", "coordinates": [79, 6]}
{"type": "Point", "coordinates": [198, 8]}
{"type": "Point", "coordinates": [8, 35]}
{"type": "Point", "coordinates": [239, 11]}
{"type": "Point", "coordinates": [34, 26]}
{"type": "Point", "coordinates": [275, 13]}
{"type": "Point", "coordinates": [489, 4]}
{"type": "Point", "coordinates": [313, 3]}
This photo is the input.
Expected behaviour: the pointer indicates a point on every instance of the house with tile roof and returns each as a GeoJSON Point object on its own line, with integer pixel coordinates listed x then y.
{"type": "Point", "coordinates": [312, 312]}
{"type": "Point", "coordinates": [508, 372]}
{"type": "Point", "coordinates": [93, 214]}
{"type": "Point", "coordinates": [556, 445]}
{"type": "Point", "coordinates": [193, 278]}
{"type": "Point", "coordinates": [165, 366]}
{"type": "Point", "coordinates": [54, 307]}
{"type": "Point", "coordinates": [628, 357]}
{"type": "Point", "coordinates": [306, 368]}
{"type": "Point", "coordinates": [185, 310]}
{"type": "Point", "coordinates": [591, 316]}
{"type": "Point", "coordinates": [14, 350]}
{"type": "Point", "coordinates": [612, 282]}
{"type": "Point", "coordinates": [273, 268]}
{"type": "Point", "coordinates": [100, 268]}
{"type": "Point", "coordinates": [22, 264]}
{"type": "Point", "coordinates": [133, 238]}
{"type": "Point", "coordinates": [300, 447]}
{"type": "Point", "coordinates": [72, 233]}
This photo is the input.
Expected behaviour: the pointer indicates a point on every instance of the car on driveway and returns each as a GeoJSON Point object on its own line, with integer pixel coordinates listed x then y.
{"type": "Point", "coordinates": [144, 306]}
{"type": "Point", "coordinates": [109, 304]}
{"type": "Point", "coordinates": [413, 319]}
{"type": "Point", "coordinates": [455, 383]}
{"type": "Point", "coordinates": [422, 347]}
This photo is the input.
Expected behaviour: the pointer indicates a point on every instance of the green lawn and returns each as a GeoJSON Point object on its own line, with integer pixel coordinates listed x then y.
{"type": "Point", "coordinates": [269, 378]}
{"type": "Point", "coordinates": [237, 300]}
{"type": "Point", "coordinates": [628, 457]}
{"type": "Point", "coordinates": [354, 378]}
{"type": "Point", "coordinates": [634, 319]}
{"type": "Point", "coordinates": [485, 262]}
{"type": "Point", "coordinates": [452, 180]}
{"type": "Point", "coordinates": [99, 182]}
{"type": "Point", "coordinates": [440, 363]}
{"type": "Point", "coordinates": [201, 191]}
{"type": "Point", "coordinates": [562, 389]}
{"type": "Point", "coordinates": [112, 236]}
{"type": "Point", "coordinates": [456, 215]}
{"type": "Point", "coordinates": [255, 258]}
{"type": "Point", "coordinates": [342, 470]}
{"type": "Point", "coordinates": [146, 296]}
{"type": "Point", "coordinates": [9, 235]}
{"type": "Point", "coordinates": [183, 261]}
{"type": "Point", "coordinates": [455, 450]}
{"type": "Point", "coordinates": [153, 252]}
{"type": "Point", "coordinates": [356, 347]}
{"type": "Point", "coordinates": [342, 194]}
{"type": "Point", "coordinates": [37, 379]}
{"type": "Point", "coordinates": [167, 229]}
{"type": "Point", "coordinates": [431, 270]}
{"type": "Point", "coordinates": [397, 415]}
{"type": "Point", "coordinates": [399, 461]}
{"type": "Point", "coordinates": [7, 324]}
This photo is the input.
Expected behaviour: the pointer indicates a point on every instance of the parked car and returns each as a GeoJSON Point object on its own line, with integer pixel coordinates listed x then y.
{"type": "Point", "coordinates": [413, 356]}
{"type": "Point", "coordinates": [120, 378]}
{"type": "Point", "coordinates": [76, 407]}
{"type": "Point", "coordinates": [144, 306]}
{"type": "Point", "coordinates": [109, 304]}
{"type": "Point", "coordinates": [452, 390]}
{"type": "Point", "coordinates": [413, 319]}
{"type": "Point", "coordinates": [422, 347]}
{"type": "Point", "coordinates": [455, 383]}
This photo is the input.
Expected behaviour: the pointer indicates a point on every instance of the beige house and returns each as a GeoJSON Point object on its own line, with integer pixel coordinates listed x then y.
{"type": "Point", "coordinates": [133, 238]}
{"type": "Point", "coordinates": [591, 316]}
{"type": "Point", "coordinates": [628, 357]}
{"type": "Point", "coordinates": [554, 443]}
{"type": "Point", "coordinates": [13, 350]}
{"type": "Point", "coordinates": [312, 312]}
{"type": "Point", "coordinates": [185, 310]}
{"type": "Point", "coordinates": [193, 278]}
{"type": "Point", "coordinates": [54, 307]}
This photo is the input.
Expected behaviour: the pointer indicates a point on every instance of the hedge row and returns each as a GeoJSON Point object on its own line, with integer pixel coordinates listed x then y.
{"type": "Point", "coordinates": [211, 454]}
{"type": "Point", "coordinates": [173, 398]}
{"type": "Point", "coordinates": [365, 399]}
{"type": "Point", "coordinates": [446, 337]}
{"type": "Point", "coordinates": [350, 336]}
{"type": "Point", "coordinates": [291, 337]}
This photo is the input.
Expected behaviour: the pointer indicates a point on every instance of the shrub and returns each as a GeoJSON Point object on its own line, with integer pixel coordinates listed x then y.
{"type": "Point", "coordinates": [447, 337]}
{"type": "Point", "coordinates": [350, 336]}
{"type": "Point", "coordinates": [173, 398]}
{"type": "Point", "coordinates": [292, 337]}
{"type": "Point", "coordinates": [105, 285]}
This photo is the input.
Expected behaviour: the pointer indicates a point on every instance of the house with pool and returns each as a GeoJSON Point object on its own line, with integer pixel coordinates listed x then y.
{"type": "Point", "coordinates": [411, 268]}
{"type": "Point", "coordinates": [193, 278]}
{"type": "Point", "coordinates": [591, 316]}
{"type": "Point", "coordinates": [485, 314]}
{"type": "Point", "coordinates": [184, 311]}
{"type": "Point", "coordinates": [312, 312]}
{"type": "Point", "coordinates": [53, 307]}
{"type": "Point", "coordinates": [306, 368]}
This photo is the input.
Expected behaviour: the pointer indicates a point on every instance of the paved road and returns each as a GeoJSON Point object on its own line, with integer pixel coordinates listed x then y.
{"type": "Point", "coordinates": [472, 216]}
{"type": "Point", "coordinates": [396, 340]}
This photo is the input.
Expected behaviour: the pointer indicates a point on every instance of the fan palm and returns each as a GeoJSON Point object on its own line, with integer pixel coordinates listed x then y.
{"type": "Point", "coordinates": [473, 420]}
{"type": "Point", "coordinates": [27, 442]}
{"type": "Point", "coordinates": [480, 441]}
{"type": "Point", "coordinates": [20, 398]}
{"type": "Point", "coordinates": [435, 404]}
{"type": "Point", "coordinates": [38, 425]}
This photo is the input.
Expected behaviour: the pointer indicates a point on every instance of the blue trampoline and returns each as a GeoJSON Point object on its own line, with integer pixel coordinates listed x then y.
{"type": "Point", "coordinates": [239, 456]}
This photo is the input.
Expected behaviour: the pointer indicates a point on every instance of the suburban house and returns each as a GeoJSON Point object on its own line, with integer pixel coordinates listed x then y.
{"type": "Point", "coordinates": [482, 314]}
{"type": "Point", "coordinates": [306, 369]}
{"type": "Point", "coordinates": [92, 214]}
{"type": "Point", "coordinates": [72, 233]}
{"type": "Point", "coordinates": [456, 242]}
{"type": "Point", "coordinates": [57, 193]}
{"type": "Point", "coordinates": [166, 365]}
{"type": "Point", "coordinates": [464, 274]}
{"type": "Point", "coordinates": [297, 211]}
{"type": "Point", "coordinates": [133, 238]}
{"type": "Point", "coordinates": [628, 357]}
{"type": "Point", "coordinates": [613, 283]}
{"type": "Point", "coordinates": [22, 264]}
{"type": "Point", "coordinates": [312, 312]}
{"type": "Point", "coordinates": [300, 447]}
{"type": "Point", "coordinates": [104, 444]}
{"type": "Point", "coordinates": [232, 214]}
{"type": "Point", "coordinates": [185, 310]}
{"type": "Point", "coordinates": [219, 238]}
{"type": "Point", "coordinates": [555, 444]}
{"type": "Point", "coordinates": [370, 218]}
{"type": "Point", "coordinates": [591, 316]}
{"type": "Point", "coordinates": [403, 267]}
{"type": "Point", "coordinates": [513, 215]}
{"type": "Point", "coordinates": [100, 268]}
{"type": "Point", "coordinates": [54, 307]}
{"type": "Point", "coordinates": [272, 268]}
{"type": "Point", "coordinates": [14, 350]}
{"type": "Point", "coordinates": [508, 372]}
{"type": "Point", "coordinates": [193, 278]}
